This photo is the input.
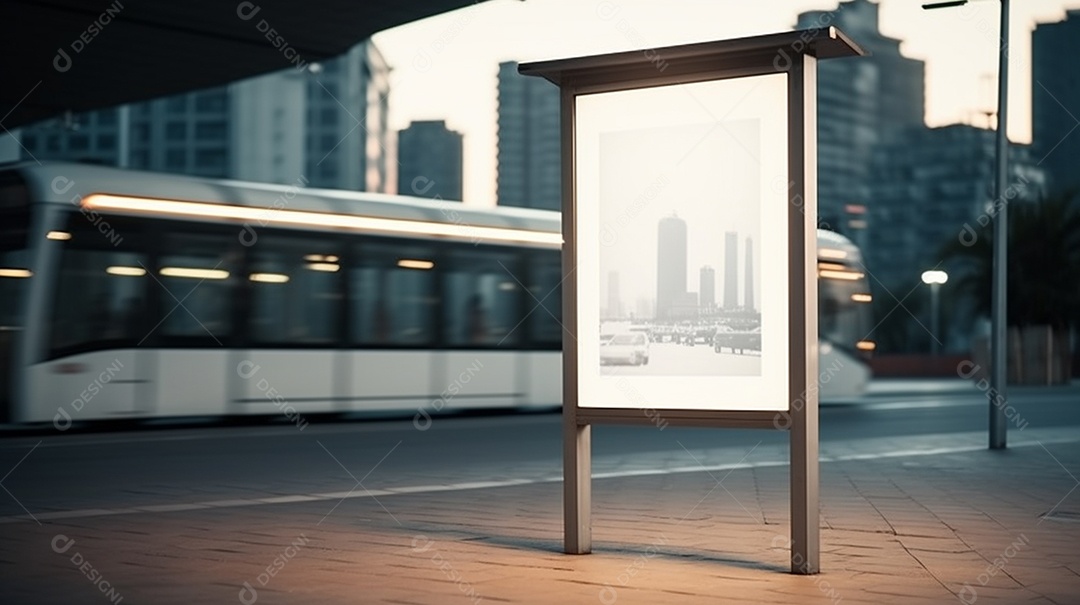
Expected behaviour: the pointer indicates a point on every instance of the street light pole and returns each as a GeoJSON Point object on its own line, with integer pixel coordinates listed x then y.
{"type": "Point", "coordinates": [999, 328]}
{"type": "Point", "coordinates": [999, 371]}
{"type": "Point", "coordinates": [935, 342]}
{"type": "Point", "coordinates": [935, 308]}
{"type": "Point", "coordinates": [934, 279]}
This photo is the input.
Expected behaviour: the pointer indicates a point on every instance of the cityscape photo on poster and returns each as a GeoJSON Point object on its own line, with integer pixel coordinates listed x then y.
{"type": "Point", "coordinates": [686, 306]}
{"type": "Point", "coordinates": [682, 257]}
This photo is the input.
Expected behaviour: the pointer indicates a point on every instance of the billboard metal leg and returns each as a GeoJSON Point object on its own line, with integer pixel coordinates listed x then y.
{"type": "Point", "coordinates": [577, 486]}
{"type": "Point", "coordinates": [802, 111]}
{"type": "Point", "coordinates": [805, 531]}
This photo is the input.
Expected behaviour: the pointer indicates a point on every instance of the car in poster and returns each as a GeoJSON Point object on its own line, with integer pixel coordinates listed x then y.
{"type": "Point", "coordinates": [741, 342]}
{"type": "Point", "coordinates": [628, 348]}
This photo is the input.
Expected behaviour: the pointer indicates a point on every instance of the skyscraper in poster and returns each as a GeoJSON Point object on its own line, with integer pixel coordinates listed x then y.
{"type": "Point", "coordinates": [748, 294]}
{"type": "Point", "coordinates": [670, 265]}
{"type": "Point", "coordinates": [731, 270]}
{"type": "Point", "coordinates": [707, 288]}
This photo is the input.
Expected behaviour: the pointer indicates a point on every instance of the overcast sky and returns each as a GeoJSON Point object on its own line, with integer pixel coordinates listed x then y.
{"type": "Point", "coordinates": [713, 180]}
{"type": "Point", "coordinates": [445, 67]}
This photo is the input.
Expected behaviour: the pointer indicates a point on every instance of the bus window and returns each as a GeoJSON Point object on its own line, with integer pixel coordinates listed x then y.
{"type": "Point", "coordinates": [14, 256]}
{"type": "Point", "coordinates": [99, 299]}
{"type": "Point", "coordinates": [197, 273]}
{"type": "Point", "coordinates": [482, 299]}
{"type": "Point", "coordinates": [393, 295]}
{"type": "Point", "coordinates": [545, 274]}
{"type": "Point", "coordinates": [295, 293]}
{"type": "Point", "coordinates": [14, 278]}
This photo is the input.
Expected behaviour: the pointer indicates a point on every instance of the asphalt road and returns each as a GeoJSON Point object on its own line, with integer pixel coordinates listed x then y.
{"type": "Point", "coordinates": [69, 471]}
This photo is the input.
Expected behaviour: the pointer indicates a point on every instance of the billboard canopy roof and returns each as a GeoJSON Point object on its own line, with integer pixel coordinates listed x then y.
{"type": "Point", "coordinates": [770, 49]}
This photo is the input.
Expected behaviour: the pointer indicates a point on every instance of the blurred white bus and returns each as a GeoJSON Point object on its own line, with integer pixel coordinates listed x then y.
{"type": "Point", "coordinates": [128, 294]}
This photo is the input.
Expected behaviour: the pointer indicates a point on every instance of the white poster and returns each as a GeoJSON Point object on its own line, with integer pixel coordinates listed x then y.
{"type": "Point", "coordinates": [682, 246]}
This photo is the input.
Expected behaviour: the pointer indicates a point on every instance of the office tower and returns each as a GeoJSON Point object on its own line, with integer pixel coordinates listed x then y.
{"type": "Point", "coordinates": [928, 184]}
{"type": "Point", "coordinates": [1055, 99]}
{"type": "Point", "coordinates": [429, 158]}
{"type": "Point", "coordinates": [670, 266]}
{"type": "Point", "coordinates": [862, 103]}
{"type": "Point", "coordinates": [707, 288]}
{"type": "Point", "coordinates": [748, 292]}
{"type": "Point", "coordinates": [731, 270]}
{"type": "Point", "coordinates": [528, 141]}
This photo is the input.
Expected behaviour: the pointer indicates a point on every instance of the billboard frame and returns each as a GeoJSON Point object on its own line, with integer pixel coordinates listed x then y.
{"type": "Point", "coordinates": [795, 54]}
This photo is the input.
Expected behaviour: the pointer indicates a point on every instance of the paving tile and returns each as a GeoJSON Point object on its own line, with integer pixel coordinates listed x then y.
{"type": "Point", "coordinates": [897, 530]}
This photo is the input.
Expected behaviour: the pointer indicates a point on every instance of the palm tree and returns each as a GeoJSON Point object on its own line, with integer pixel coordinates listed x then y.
{"type": "Point", "coordinates": [1043, 267]}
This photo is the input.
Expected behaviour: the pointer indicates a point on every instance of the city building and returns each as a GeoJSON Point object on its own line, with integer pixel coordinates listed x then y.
{"type": "Point", "coordinates": [670, 267]}
{"type": "Point", "coordinates": [929, 184]}
{"type": "Point", "coordinates": [326, 123]}
{"type": "Point", "coordinates": [862, 103]}
{"type": "Point", "coordinates": [731, 270]}
{"type": "Point", "coordinates": [429, 161]}
{"type": "Point", "coordinates": [92, 137]}
{"type": "Point", "coordinates": [529, 166]}
{"type": "Point", "coordinates": [348, 136]}
{"type": "Point", "coordinates": [265, 117]}
{"type": "Point", "coordinates": [1055, 97]}
{"type": "Point", "coordinates": [614, 304]}
{"type": "Point", "coordinates": [187, 133]}
{"type": "Point", "coordinates": [707, 288]}
{"type": "Point", "coordinates": [748, 292]}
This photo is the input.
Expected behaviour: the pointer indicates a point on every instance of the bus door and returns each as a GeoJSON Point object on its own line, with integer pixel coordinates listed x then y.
{"type": "Point", "coordinates": [14, 280]}
{"type": "Point", "coordinates": [91, 363]}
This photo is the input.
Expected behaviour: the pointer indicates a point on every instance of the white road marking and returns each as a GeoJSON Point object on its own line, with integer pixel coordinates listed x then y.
{"type": "Point", "coordinates": [159, 435]}
{"type": "Point", "coordinates": [477, 485]}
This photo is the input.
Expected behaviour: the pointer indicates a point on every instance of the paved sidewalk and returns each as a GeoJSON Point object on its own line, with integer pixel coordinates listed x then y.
{"type": "Point", "coordinates": [927, 520]}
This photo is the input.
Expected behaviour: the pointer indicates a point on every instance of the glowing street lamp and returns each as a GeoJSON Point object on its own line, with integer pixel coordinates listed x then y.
{"type": "Point", "coordinates": [934, 277]}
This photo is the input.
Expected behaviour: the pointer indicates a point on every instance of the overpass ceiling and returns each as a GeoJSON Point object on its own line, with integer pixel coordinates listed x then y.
{"type": "Point", "coordinates": [120, 51]}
